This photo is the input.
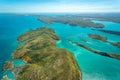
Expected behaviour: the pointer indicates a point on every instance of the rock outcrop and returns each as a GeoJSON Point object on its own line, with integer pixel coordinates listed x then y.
{"type": "Point", "coordinates": [8, 65]}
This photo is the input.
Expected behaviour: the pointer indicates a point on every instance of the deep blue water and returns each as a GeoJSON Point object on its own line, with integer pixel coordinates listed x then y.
{"type": "Point", "coordinates": [93, 66]}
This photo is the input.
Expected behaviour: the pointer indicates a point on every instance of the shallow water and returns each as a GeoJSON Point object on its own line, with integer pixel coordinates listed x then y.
{"type": "Point", "coordinates": [93, 66]}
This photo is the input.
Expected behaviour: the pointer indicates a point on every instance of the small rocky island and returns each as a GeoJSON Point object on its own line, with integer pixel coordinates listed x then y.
{"type": "Point", "coordinates": [98, 37]}
{"type": "Point", "coordinates": [44, 60]}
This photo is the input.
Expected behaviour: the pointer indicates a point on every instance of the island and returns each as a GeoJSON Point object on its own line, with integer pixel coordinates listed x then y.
{"type": "Point", "coordinates": [72, 20]}
{"type": "Point", "coordinates": [45, 61]}
{"type": "Point", "coordinates": [98, 37]}
{"type": "Point", "coordinates": [117, 44]}
{"type": "Point", "coordinates": [110, 32]}
{"type": "Point", "coordinates": [104, 39]}
{"type": "Point", "coordinates": [111, 55]}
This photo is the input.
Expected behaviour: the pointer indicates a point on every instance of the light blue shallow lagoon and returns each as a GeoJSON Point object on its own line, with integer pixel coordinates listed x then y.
{"type": "Point", "coordinates": [93, 66]}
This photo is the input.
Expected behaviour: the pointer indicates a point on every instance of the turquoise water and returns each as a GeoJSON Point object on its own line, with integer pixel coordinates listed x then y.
{"type": "Point", "coordinates": [93, 66]}
{"type": "Point", "coordinates": [11, 26]}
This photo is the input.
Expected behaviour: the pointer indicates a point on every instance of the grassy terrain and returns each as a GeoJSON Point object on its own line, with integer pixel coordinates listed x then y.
{"type": "Point", "coordinates": [45, 60]}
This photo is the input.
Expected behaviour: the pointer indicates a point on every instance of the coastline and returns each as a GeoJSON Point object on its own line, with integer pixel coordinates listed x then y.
{"type": "Point", "coordinates": [68, 58]}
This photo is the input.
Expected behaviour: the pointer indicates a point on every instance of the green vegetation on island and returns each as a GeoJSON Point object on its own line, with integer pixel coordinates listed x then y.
{"type": "Point", "coordinates": [44, 60]}
{"type": "Point", "coordinates": [110, 17]}
{"type": "Point", "coordinates": [98, 37]}
{"type": "Point", "coordinates": [104, 39]}
{"type": "Point", "coordinates": [71, 20]}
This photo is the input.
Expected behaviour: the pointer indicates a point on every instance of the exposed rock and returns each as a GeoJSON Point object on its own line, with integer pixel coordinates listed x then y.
{"type": "Point", "coordinates": [110, 31]}
{"type": "Point", "coordinates": [8, 65]}
{"type": "Point", "coordinates": [45, 60]}
{"type": "Point", "coordinates": [98, 37]}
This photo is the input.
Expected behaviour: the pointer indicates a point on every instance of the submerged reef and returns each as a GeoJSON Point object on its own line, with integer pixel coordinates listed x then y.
{"type": "Point", "coordinates": [111, 55]}
{"type": "Point", "coordinates": [71, 20]}
{"type": "Point", "coordinates": [44, 60]}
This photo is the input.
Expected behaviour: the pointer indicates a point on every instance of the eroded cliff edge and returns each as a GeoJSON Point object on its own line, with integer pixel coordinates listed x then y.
{"type": "Point", "coordinates": [44, 60]}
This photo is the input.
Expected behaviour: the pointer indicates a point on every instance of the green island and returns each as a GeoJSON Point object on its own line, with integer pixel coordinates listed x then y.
{"type": "Point", "coordinates": [72, 20]}
{"type": "Point", "coordinates": [45, 61]}
{"type": "Point", "coordinates": [98, 37]}
{"type": "Point", "coordinates": [104, 39]}
{"type": "Point", "coordinates": [111, 55]}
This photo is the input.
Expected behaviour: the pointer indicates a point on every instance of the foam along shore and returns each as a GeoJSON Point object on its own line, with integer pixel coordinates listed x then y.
{"type": "Point", "coordinates": [111, 55]}
{"type": "Point", "coordinates": [6, 78]}
{"type": "Point", "coordinates": [44, 60]}
{"type": "Point", "coordinates": [71, 20]}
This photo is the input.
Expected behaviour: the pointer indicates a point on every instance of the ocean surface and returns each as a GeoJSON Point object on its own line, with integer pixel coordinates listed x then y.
{"type": "Point", "coordinates": [93, 66]}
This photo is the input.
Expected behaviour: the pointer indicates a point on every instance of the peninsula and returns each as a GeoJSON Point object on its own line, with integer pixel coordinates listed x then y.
{"type": "Point", "coordinates": [45, 61]}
